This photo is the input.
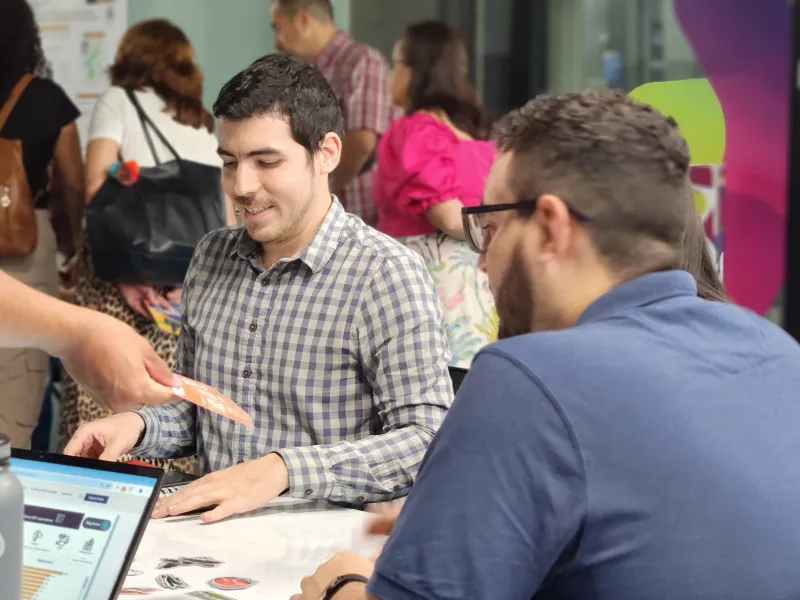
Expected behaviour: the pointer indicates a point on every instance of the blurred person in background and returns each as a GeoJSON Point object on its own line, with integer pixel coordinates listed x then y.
{"type": "Point", "coordinates": [156, 59]}
{"type": "Point", "coordinates": [431, 163]}
{"type": "Point", "coordinates": [358, 75]}
{"type": "Point", "coordinates": [43, 120]}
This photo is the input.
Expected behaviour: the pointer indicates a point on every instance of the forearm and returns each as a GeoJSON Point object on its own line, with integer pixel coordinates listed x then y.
{"type": "Point", "coordinates": [446, 216]}
{"type": "Point", "coordinates": [170, 431]}
{"type": "Point", "coordinates": [375, 469]}
{"type": "Point", "coordinates": [357, 148]}
{"type": "Point", "coordinates": [31, 319]}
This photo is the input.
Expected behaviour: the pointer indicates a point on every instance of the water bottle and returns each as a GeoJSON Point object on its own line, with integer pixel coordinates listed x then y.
{"type": "Point", "coordinates": [11, 521]}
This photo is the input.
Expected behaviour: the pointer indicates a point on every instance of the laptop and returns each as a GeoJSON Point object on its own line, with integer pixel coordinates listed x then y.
{"type": "Point", "coordinates": [84, 520]}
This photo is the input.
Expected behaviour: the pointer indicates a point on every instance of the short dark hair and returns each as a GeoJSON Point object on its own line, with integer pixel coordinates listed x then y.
{"type": "Point", "coordinates": [620, 162]}
{"type": "Point", "coordinates": [439, 65]}
{"type": "Point", "coordinates": [280, 85]}
{"type": "Point", "coordinates": [320, 9]}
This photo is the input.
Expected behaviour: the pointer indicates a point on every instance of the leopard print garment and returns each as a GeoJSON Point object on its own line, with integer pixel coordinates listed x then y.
{"type": "Point", "coordinates": [77, 408]}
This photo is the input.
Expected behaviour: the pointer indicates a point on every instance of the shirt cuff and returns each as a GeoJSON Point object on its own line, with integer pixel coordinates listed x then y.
{"type": "Point", "coordinates": [309, 476]}
{"type": "Point", "coordinates": [152, 431]}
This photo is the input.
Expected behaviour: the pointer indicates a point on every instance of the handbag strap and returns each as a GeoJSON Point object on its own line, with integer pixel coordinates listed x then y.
{"type": "Point", "coordinates": [16, 92]}
{"type": "Point", "coordinates": [147, 122]}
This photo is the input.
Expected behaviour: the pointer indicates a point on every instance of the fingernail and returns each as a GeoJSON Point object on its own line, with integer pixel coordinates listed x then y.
{"type": "Point", "coordinates": [176, 381]}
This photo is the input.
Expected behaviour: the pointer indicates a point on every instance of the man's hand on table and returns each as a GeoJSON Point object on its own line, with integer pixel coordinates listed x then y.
{"type": "Point", "coordinates": [238, 489]}
{"type": "Point", "coordinates": [107, 439]}
{"type": "Point", "coordinates": [348, 563]}
{"type": "Point", "coordinates": [345, 563]}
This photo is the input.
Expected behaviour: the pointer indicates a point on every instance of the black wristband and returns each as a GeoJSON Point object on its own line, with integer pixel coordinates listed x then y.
{"type": "Point", "coordinates": [341, 581]}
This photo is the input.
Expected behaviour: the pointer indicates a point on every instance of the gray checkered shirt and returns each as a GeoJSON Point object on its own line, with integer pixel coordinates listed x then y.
{"type": "Point", "coordinates": [338, 355]}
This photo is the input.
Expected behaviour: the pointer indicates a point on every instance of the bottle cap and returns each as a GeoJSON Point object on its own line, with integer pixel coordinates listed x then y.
{"type": "Point", "coordinates": [5, 448]}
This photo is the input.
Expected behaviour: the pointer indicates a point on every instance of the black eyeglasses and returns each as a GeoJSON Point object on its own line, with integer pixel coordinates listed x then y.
{"type": "Point", "coordinates": [476, 228]}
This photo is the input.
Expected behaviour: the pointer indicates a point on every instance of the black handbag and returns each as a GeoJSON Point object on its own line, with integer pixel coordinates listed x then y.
{"type": "Point", "coordinates": [147, 232]}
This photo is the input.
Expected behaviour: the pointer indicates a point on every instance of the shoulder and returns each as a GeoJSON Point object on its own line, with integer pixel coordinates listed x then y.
{"type": "Point", "coordinates": [45, 89]}
{"type": "Point", "coordinates": [415, 138]}
{"type": "Point", "coordinates": [388, 258]}
{"type": "Point", "coordinates": [552, 356]}
{"type": "Point", "coordinates": [50, 99]}
{"type": "Point", "coordinates": [217, 245]}
{"type": "Point", "coordinates": [363, 55]}
{"type": "Point", "coordinates": [114, 96]}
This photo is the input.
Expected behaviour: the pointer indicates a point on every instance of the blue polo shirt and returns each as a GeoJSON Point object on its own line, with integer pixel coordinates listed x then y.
{"type": "Point", "coordinates": [650, 452]}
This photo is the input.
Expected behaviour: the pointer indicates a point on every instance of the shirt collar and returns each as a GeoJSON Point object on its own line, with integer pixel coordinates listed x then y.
{"type": "Point", "coordinates": [331, 49]}
{"type": "Point", "coordinates": [644, 290]}
{"type": "Point", "coordinates": [318, 252]}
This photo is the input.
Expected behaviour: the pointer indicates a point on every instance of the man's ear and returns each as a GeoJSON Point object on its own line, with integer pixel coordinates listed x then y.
{"type": "Point", "coordinates": [330, 153]}
{"type": "Point", "coordinates": [555, 224]}
{"type": "Point", "coordinates": [302, 19]}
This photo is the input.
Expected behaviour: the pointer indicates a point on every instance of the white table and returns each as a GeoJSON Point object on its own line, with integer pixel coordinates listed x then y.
{"type": "Point", "coordinates": [276, 547]}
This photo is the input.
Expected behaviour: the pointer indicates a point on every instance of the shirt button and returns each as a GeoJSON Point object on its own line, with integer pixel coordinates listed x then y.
{"type": "Point", "coordinates": [247, 372]}
{"type": "Point", "coordinates": [253, 327]}
{"type": "Point", "coordinates": [264, 282]}
{"type": "Point", "coordinates": [309, 491]}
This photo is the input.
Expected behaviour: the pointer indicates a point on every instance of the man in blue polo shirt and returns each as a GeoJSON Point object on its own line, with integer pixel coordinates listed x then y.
{"type": "Point", "coordinates": [641, 443]}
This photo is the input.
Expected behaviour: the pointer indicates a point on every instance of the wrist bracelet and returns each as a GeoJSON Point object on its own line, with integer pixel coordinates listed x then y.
{"type": "Point", "coordinates": [341, 581]}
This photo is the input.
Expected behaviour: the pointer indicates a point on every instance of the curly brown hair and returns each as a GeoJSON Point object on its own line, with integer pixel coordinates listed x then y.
{"type": "Point", "coordinates": [621, 163]}
{"type": "Point", "coordinates": [158, 55]}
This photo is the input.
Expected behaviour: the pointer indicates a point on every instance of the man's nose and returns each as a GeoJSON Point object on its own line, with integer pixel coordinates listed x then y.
{"type": "Point", "coordinates": [246, 183]}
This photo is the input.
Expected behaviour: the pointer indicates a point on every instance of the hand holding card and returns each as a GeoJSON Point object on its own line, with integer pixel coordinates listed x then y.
{"type": "Point", "coordinates": [211, 399]}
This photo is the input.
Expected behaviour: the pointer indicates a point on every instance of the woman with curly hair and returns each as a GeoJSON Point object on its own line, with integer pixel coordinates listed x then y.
{"type": "Point", "coordinates": [43, 121]}
{"type": "Point", "coordinates": [156, 61]}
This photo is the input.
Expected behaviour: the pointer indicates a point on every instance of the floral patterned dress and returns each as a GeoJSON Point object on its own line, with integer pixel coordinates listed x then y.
{"type": "Point", "coordinates": [422, 162]}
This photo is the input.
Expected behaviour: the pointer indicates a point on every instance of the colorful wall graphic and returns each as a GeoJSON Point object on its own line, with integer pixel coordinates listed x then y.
{"type": "Point", "coordinates": [743, 47]}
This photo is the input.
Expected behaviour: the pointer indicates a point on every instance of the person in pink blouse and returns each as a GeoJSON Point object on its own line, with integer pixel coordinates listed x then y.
{"type": "Point", "coordinates": [432, 162]}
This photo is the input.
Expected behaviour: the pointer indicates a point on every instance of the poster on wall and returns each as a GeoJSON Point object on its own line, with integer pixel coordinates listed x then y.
{"type": "Point", "coordinates": [79, 39]}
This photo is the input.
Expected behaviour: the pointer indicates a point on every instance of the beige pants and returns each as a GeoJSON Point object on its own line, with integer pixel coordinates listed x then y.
{"type": "Point", "coordinates": [23, 372]}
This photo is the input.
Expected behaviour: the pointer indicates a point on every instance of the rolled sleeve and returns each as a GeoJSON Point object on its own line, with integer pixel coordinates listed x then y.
{"type": "Point", "coordinates": [169, 431]}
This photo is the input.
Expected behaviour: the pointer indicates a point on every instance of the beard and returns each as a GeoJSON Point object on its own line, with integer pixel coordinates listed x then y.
{"type": "Point", "coordinates": [294, 223]}
{"type": "Point", "coordinates": [514, 302]}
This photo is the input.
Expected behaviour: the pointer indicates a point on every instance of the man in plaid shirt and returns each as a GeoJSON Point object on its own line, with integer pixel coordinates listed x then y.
{"type": "Point", "coordinates": [326, 332]}
{"type": "Point", "coordinates": [359, 76]}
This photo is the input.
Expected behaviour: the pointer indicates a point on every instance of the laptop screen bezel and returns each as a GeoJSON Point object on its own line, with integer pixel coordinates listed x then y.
{"type": "Point", "coordinates": [154, 473]}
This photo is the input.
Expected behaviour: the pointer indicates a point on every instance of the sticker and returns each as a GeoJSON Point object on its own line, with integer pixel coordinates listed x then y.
{"type": "Point", "coordinates": [137, 591]}
{"type": "Point", "coordinates": [193, 561]}
{"type": "Point", "coordinates": [134, 573]}
{"type": "Point", "coordinates": [231, 583]}
{"type": "Point", "coordinates": [200, 561]}
{"type": "Point", "coordinates": [168, 563]}
{"type": "Point", "coordinates": [171, 582]}
{"type": "Point", "coordinates": [205, 595]}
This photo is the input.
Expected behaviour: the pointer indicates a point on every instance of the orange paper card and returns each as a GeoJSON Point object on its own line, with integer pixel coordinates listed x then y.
{"type": "Point", "coordinates": [209, 398]}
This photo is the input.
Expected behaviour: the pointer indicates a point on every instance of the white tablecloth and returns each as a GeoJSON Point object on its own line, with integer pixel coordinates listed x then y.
{"type": "Point", "coordinates": [275, 547]}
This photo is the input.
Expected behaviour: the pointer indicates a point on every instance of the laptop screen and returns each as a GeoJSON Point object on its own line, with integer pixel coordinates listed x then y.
{"type": "Point", "coordinates": [80, 526]}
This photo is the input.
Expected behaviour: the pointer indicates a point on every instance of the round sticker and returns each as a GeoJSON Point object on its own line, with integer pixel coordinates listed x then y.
{"type": "Point", "coordinates": [231, 583]}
